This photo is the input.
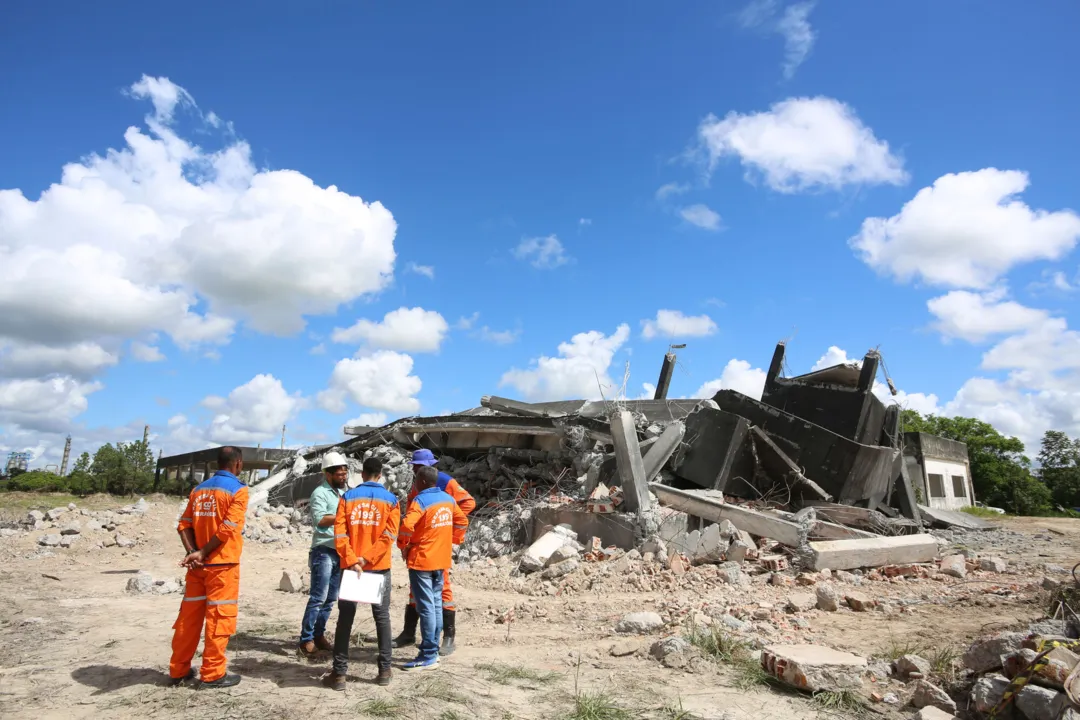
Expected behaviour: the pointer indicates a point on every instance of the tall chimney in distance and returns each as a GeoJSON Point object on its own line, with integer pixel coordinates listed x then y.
{"type": "Point", "coordinates": [67, 454]}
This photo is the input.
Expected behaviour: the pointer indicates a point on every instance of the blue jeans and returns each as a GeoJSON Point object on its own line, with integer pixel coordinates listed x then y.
{"type": "Point", "coordinates": [427, 592]}
{"type": "Point", "coordinates": [325, 583]}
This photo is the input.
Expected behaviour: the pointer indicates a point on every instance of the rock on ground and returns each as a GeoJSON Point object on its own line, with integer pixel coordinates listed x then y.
{"type": "Point", "coordinates": [51, 540]}
{"type": "Point", "coordinates": [640, 623]}
{"type": "Point", "coordinates": [800, 602]}
{"type": "Point", "coordinates": [291, 581]}
{"type": "Point", "coordinates": [953, 565]}
{"type": "Point", "coordinates": [124, 542]}
{"type": "Point", "coordinates": [928, 694]}
{"type": "Point", "coordinates": [814, 667]}
{"type": "Point", "coordinates": [668, 646]}
{"type": "Point", "coordinates": [827, 598]}
{"type": "Point", "coordinates": [71, 529]}
{"type": "Point", "coordinates": [141, 584]}
{"type": "Point", "coordinates": [933, 713]}
{"type": "Point", "coordinates": [908, 664]}
{"type": "Point", "coordinates": [985, 654]}
{"type": "Point", "coordinates": [1039, 703]}
{"type": "Point", "coordinates": [564, 568]}
{"type": "Point", "coordinates": [993, 564]}
{"type": "Point", "coordinates": [622, 648]}
{"type": "Point", "coordinates": [859, 602]}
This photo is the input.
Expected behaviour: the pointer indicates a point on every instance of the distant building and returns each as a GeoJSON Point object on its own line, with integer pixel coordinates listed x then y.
{"type": "Point", "coordinates": [939, 470]}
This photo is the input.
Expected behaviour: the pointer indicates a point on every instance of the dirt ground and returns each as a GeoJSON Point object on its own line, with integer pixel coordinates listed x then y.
{"type": "Point", "coordinates": [74, 644]}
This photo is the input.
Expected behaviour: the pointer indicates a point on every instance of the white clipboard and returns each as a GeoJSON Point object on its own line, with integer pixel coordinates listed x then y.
{"type": "Point", "coordinates": [364, 588]}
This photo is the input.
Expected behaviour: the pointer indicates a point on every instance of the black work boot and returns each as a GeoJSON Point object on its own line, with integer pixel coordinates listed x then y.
{"type": "Point", "coordinates": [408, 633]}
{"type": "Point", "coordinates": [447, 633]}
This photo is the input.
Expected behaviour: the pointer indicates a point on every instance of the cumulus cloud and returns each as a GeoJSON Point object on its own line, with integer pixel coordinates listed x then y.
{"type": "Point", "coordinates": [579, 371]}
{"type": "Point", "coordinates": [803, 144]}
{"type": "Point", "coordinates": [543, 253]}
{"type": "Point", "coordinates": [146, 353]}
{"type": "Point", "coordinates": [966, 231]}
{"type": "Point", "coordinates": [368, 420]}
{"type": "Point", "coordinates": [498, 337]}
{"type": "Point", "coordinates": [737, 375]}
{"type": "Point", "coordinates": [47, 405]}
{"type": "Point", "coordinates": [381, 381]}
{"type": "Point", "coordinates": [427, 271]}
{"type": "Point", "coordinates": [407, 329]}
{"type": "Point", "coordinates": [701, 216]}
{"type": "Point", "coordinates": [669, 189]}
{"type": "Point", "coordinates": [793, 24]}
{"type": "Point", "coordinates": [163, 235]}
{"type": "Point", "coordinates": [834, 356]}
{"type": "Point", "coordinates": [673, 324]}
{"type": "Point", "coordinates": [253, 412]}
{"type": "Point", "coordinates": [975, 316]}
{"type": "Point", "coordinates": [81, 360]}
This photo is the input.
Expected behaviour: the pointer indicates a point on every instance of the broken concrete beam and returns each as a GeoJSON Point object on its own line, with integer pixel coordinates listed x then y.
{"type": "Point", "coordinates": [696, 502]}
{"type": "Point", "coordinates": [813, 667]}
{"type": "Point", "coordinates": [776, 461]}
{"type": "Point", "coordinates": [537, 555]}
{"type": "Point", "coordinates": [873, 552]}
{"type": "Point", "coordinates": [629, 462]}
{"type": "Point", "coordinates": [514, 407]}
{"type": "Point", "coordinates": [662, 449]}
{"type": "Point", "coordinates": [824, 530]}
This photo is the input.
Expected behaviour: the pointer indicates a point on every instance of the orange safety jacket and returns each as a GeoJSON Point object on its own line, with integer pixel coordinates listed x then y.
{"type": "Point", "coordinates": [366, 526]}
{"type": "Point", "coordinates": [432, 526]}
{"type": "Point", "coordinates": [453, 488]}
{"type": "Point", "coordinates": [216, 508]}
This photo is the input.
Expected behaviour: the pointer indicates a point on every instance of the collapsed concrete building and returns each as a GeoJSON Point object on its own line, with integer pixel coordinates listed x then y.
{"type": "Point", "coordinates": [818, 458]}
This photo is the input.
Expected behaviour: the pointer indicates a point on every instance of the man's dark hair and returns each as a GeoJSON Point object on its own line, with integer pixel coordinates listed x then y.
{"type": "Point", "coordinates": [228, 455]}
{"type": "Point", "coordinates": [372, 467]}
{"type": "Point", "coordinates": [427, 476]}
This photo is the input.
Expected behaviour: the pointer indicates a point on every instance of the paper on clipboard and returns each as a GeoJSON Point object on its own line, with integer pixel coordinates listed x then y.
{"type": "Point", "coordinates": [361, 587]}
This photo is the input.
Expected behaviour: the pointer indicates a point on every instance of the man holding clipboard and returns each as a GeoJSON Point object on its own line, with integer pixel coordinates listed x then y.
{"type": "Point", "coordinates": [365, 531]}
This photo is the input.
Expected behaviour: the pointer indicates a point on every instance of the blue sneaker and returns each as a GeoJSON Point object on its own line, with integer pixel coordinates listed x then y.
{"type": "Point", "coordinates": [421, 664]}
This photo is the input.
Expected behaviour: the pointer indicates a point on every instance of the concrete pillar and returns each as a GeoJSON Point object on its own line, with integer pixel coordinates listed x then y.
{"type": "Point", "coordinates": [191, 473]}
{"type": "Point", "coordinates": [869, 370]}
{"type": "Point", "coordinates": [666, 370]}
{"type": "Point", "coordinates": [629, 462]}
{"type": "Point", "coordinates": [661, 450]}
{"type": "Point", "coordinates": [777, 364]}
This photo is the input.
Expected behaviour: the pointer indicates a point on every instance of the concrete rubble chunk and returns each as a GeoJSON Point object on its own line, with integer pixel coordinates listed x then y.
{"type": "Point", "coordinates": [933, 713]}
{"type": "Point", "coordinates": [813, 667]}
{"type": "Point", "coordinates": [141, 584]}
{"type": "Point", "coordinates": [988, 691]}
{"type": "Point", "coordinates": [993, 564]}
{"type": "Point", "coordinates": [710, 507]}
{"type": "Point", "coordinates": [536, 556]}
{"type": "Point", "coordinates": [68, 540]}
{"type": "Point", "coordinates": [639, 623]}
{"type": "Point", "coordinates": [629, 462]}
{"type": "Point", "coordinates": [662, 450]}
{"type": "Point", "coordinates": [859, 602]}
{"type": "Point", "coordinates": [51, 540]}
{"type": "Point", "coordinates": [34, 517]}
{"type": "Point", "coordinates": [985, 654]}
{"type": "Point", "coordinates": [54, 514]}
{"type": "Point", "coordinates": [908, 664]}
{"type": "Point", "coordinates": [730, 573]}
{"type": "Point", "coordinates": [71, 529]}
{"type": "Point", "coordinates": [566, 552]}
{"type": "Point", "coordinates": [827, 598]}
{"type": "Point", "coordinates": [928, 694]}
{"type": "Point", "coordinates": [954, 566]}
{"type": "Point", "coordinates": [167, 587]}
{"type": "Point", "coordinates": [564, 568]}
{"type": "Point", "coordinates": [872, 552]}
{"type": "Point", "coordinates": [124, 542]}
{"type": "Point", "coordinates": [800, 602]}
{"type": "Point", "coordinates": [291, 582]}
{"type": "Point", "coordinates": [622, 648]}
{"type": "Point", "coordinates": [668, 646]}
{"type": "Point", "coordinates": [1039, 703]}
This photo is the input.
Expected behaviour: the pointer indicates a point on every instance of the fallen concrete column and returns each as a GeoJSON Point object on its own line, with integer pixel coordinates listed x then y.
{"type": "Point", "coordinates": [259, 494]}
{"type": "Point", "coordinates": [629, 462]}
{"type": "Point", "coordinates": [699, 503]}
{"type": "Point", "coordinates": [538, 554]}
{"type": "Point", "coordinates": [662, 449]}
{"type": "Point", "coordinates": [813, 667]}
{"type": "Point", "coordinates": [874, 552]}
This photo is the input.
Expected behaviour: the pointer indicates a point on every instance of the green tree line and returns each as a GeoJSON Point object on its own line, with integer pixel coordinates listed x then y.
{"type": "Point", "coordinates": [121, 469]}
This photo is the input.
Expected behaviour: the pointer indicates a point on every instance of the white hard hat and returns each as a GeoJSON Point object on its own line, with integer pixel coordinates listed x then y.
{"type": "Point", "coordinates": [333, 459]}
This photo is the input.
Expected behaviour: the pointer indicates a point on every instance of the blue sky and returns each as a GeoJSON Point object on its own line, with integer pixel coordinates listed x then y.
{"type": "Point", "coordinates": [460, 190]}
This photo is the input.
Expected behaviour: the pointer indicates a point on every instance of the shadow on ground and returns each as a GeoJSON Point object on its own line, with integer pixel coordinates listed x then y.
{"type": "Point", "coordinates": [110, 678]}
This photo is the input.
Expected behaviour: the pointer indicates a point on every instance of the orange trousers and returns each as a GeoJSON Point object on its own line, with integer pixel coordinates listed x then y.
{"type": "Point", "coordinates": [210, 595]}
{"type": "Point", "coordinates": [447, 593]}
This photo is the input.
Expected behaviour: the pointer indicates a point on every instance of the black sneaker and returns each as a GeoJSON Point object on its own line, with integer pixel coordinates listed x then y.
{"type": "Point", "coordinates": [192, 676]}
{"type": "Point", "coordinates": [225, 681]}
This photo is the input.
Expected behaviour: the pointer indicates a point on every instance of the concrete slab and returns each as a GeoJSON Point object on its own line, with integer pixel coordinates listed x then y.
{"type": "Point", "coordinates": [875, 552]}
{"type": "Point", "coordinates": [813, 667]}
{"type": "Point", "coordinates": [629, 462]}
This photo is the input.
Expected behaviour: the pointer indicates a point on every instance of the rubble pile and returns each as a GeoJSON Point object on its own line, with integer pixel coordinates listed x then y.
{"type": "Point", "coordinates": [65, 527]}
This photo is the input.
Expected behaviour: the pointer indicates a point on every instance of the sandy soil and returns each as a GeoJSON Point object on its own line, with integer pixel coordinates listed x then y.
{"type": "Point", "coordinates": [80, 647]}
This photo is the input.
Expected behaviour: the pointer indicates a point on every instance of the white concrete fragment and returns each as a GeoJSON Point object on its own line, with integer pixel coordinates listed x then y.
{"type": "Point", "coordinates": [874, 552]}
{"type": "Point", "coordinates": [141, 584]}
{"type": "Point", "coordinates": [537, 555]}
{"type": "Point", "coordinates": [813, 667]}
{"type": "Point", "coordinates": [291, 582]}
{"type": "Point", "coordinates": [953, 565]}
{"type": "Point", "coordinates": [640, 623]}
{"type": "Point", "coordinates": [928, 694]}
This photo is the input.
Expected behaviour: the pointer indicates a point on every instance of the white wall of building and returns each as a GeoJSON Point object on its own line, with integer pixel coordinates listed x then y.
{"type": "Point", "coordinates": [948, 484]}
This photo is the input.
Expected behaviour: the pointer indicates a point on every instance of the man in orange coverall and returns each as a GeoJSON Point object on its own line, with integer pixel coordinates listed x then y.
{"type": "Point", "coordinates": [465, 501]}
{"type": "Point", "coordinates": [210, 529]}
{"type": "Point", "coordinates": [365, 529]}
{"type": "Point", "coordinates": [433, 524]}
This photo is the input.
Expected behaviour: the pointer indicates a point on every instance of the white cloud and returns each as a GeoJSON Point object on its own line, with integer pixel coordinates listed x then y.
{"type": "Point", "coordinates": [368, 420]}
{"type": "Point", "coordinates": [162, 235]}
{"type": "Point", "coordinates": [426, 270]}
{"type": "Point", "coordinates": [466, 323]}
{"type": "Point", "coordinates": [966, 231]}
{"type": "Point", "coordinates": [580, 370]}
{"type": "Point", "coordinates": [1048, 347]}
{"type": "Point", "coordinates": [146, 353]}
{"type": "Point", "coordinates": [498, 337]}
{"type": "Point", "coordinates": [407, 329]}
{"type": "Point", "coordinates": [673, 324]}
{"type": "Point", "coordinates": [81, 360]}
{"type": "Point", "coordinates": [584, 222]}
{"type": "Point", "coordinates": [544, 253]}
{"type": "Point", "coordinates": [803, 144]}
{"type": "Point", "coordinates": [47, 405]}
{"type": "Point", "coordinates": [833, 356]}
{"type": "Point", "coordinates": [927, 404]}
{"type": "Point", "coordinates": [976, 316]}
{"type": "Point", "coordinates": [319, 349]}
{"type": "Point", "coordinates": [648, 391]}
{"type": "Point", "coordinates": [737, 375]}
{"type": "Point", "coordinates": [701, 216]}
{"type": "Point", "coordinates": [382, 381]}
{"type": "Point", "coordinates": [793, 25]}
{"type": "Point", "coordinates": [253, 412]}
{"type": "Point", "coordinates": [669, 189]}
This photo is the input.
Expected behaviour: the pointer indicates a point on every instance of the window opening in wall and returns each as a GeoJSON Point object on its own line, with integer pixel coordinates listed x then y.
{"type": "Point", "coordinates": [959, 487]}
{"type": "Point", "coordinates": [937, 485]}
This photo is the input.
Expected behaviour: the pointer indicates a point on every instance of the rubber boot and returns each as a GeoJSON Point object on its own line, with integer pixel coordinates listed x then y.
{"type": "Point", "coordinates": [408, 633]}
{"type": "Point", "coordinates": [447, 633]}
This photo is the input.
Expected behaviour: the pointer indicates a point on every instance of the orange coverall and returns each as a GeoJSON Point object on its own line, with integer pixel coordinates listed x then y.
{"type": "Point", "coordinates": [215, 508]}
{"type": "Point", "coordinates": [465, 501]}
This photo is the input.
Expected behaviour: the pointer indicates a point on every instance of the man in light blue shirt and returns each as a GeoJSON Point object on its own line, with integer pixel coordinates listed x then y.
{"type": "Point", "coordinates": [323, 559]}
